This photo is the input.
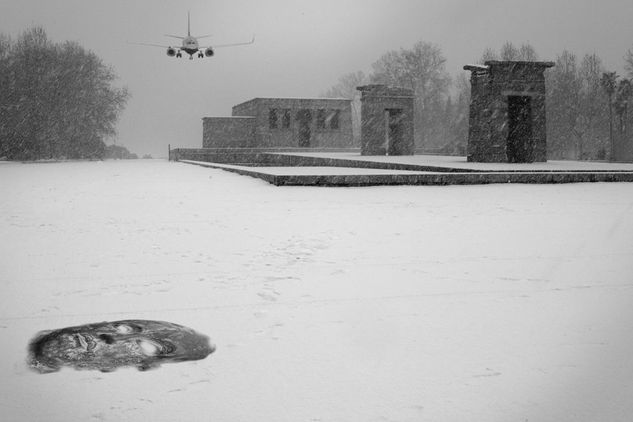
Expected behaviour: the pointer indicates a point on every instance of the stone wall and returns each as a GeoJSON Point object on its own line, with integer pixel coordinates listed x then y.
{"type": "Point", "coordinates": [299, 122]}
{"type": "Point", "coordinates": [228, 132]}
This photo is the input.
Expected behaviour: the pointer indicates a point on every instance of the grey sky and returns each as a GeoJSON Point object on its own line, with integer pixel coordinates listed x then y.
{"type": "Point", "coordinates": [302, 47]}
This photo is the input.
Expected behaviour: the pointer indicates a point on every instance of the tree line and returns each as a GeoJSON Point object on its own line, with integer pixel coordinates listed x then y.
{"type": "Point", "coordinates": [586, 104]}
{"type": "Point", "coordinates": [57, 100]}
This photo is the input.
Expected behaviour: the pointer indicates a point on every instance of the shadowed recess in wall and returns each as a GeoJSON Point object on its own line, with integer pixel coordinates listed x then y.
{"type": "Point", "coordinates": [106, 346]}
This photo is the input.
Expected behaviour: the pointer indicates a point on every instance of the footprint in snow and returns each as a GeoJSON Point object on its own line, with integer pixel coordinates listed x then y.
{"type": "Point", "coordinates": [267, 296]}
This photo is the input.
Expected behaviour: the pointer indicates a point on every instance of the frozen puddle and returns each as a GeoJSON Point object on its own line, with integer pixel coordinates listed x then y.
{"type": "Point", "coordinates": [106, 346]}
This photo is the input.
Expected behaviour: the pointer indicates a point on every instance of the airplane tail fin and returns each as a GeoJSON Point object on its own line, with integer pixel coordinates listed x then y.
{"type": "Point", "coordinates": [188, 23]}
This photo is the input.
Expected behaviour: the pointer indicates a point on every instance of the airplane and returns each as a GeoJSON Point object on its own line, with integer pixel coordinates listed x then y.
{"type": "Point", "coordinates": [191, 46]}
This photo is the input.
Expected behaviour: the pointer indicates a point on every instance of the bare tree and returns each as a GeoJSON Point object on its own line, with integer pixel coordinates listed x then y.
{"type": "Point", "coordinates": [457, 117]}
{"type": "Point", "coordinates": [58, 100]}
{"type": "Point", "coordinates": [346, 88]}
{"type": "Point", "coordinates": [422, 69]}
{"type": "Point", "coordinates": [609, 83]}
{"type": "Point", "coordinates": [563, 106]}
{"type": "Point", "coordinates": [628, 63]}
{"type": "Point", "coordinates": [623, 96]}
{"type": "Point", "coordinates": [526, 52]}
{"type": "Point", "coordinates": [346, 85]}
{"type": "Point", "coordinates": [488, 54]}
{"type": "Point", "coordinates": [509, 51]}
{"type": "Point", "coordinates": [5, 89]}
{"type": "Point", "coordinates": [593, 109]}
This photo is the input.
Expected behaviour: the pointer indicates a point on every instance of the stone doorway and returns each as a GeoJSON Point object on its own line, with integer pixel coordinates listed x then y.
{"type": "Point", "coordinates": [394, 131]}
{"type": "Point", "coordinates": [304, 119]}
{"type": "Point", "coordinates": [520, 145]}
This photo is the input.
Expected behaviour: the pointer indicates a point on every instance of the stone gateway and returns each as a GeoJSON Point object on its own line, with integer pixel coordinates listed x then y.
{"type": "Point", "coordinates": [507, 112]}
{"type": "Point", "coordinates": [386, 120]}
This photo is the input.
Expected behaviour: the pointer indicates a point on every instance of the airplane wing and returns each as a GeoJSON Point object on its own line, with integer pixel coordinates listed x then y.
{"type": "Point", "coordinates": [152, 45]}
{"type": "Point", "coordinates": [233, 45]}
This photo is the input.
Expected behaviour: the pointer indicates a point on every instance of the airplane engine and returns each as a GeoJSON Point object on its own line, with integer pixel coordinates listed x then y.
{"type": "Point", "coordinates": [171, 52]}
{"type": "Point", "coordinates": [209, 52]}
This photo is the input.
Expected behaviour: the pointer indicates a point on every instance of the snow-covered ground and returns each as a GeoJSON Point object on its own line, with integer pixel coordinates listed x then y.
{"type": "Point", "coordinates": [458, 162]}
{"type": "Point", "coordinates": [453, 303]}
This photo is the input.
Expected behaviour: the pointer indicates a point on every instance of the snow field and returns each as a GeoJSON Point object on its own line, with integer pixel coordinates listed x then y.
{"type": "Point", "coordinates": [495, 302]}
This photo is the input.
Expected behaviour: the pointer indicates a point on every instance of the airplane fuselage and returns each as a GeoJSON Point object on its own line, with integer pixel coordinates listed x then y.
{"type": "Point", "coordinates": [190, 45]}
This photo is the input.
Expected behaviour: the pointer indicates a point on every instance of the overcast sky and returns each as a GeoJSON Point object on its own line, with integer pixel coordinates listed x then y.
{"type": "Point", "coordinates": [301, 48]}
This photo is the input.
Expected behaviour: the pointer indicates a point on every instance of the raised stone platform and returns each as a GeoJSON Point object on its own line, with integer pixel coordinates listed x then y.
{"type": "Point", "coordinates": [293, 168]}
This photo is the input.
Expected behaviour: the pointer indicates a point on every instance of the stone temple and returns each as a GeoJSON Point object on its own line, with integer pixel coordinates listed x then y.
{"type": "Point", "coordinates": [282, 123]}
{"type": "Point", "coordinates": [507, 112]}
